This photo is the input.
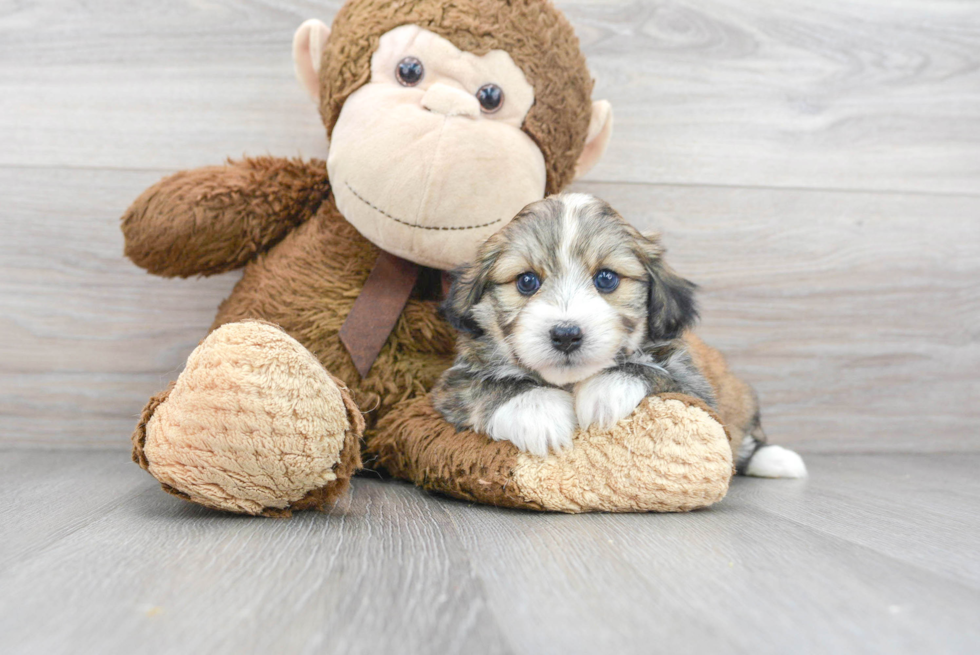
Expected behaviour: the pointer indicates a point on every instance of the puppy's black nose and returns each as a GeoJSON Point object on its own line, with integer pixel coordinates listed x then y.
{"type": "Point", "coordinates": [566, 338]}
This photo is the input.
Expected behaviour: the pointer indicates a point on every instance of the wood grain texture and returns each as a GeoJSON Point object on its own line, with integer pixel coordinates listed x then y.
{"type": "Point", "coordinates": [871, 95]}
{"type": "Point", "coordinates": [787, 566]}
{"type": "Point", "coordinates": [88, 336]}
{"type": "Point", "coordinates": [47, 498]}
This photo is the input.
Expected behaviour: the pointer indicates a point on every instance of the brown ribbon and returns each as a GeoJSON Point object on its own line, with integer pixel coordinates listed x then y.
{"type": "Point", "coordinates": [376, 310]}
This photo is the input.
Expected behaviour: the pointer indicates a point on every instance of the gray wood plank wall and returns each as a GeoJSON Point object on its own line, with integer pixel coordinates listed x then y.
{"type": "Point", "coordinates": [814, 166]}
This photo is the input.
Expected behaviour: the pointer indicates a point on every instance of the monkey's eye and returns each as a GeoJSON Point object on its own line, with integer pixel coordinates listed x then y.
{"type": "Point", "coordinates": [491, 98]}
{"type": "Point", "coordinates": [528, 283]}
{"type": "Point", "coordinates": [606, 281]}
{"type": "Point", "coordinates": [409, 71]}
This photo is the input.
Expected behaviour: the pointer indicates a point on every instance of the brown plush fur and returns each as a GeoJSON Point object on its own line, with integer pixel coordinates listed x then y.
{"type": "Point", "coordinates": [415, 443]}
{"type": "Point", "coordinates": [215, 219]}
{"type": "Point", "coordinates": [307, 285]}
{"type": "Point", "coordinates": [685, 466]}
{"type": "Point", "coordinates": [305, 265]}
{"type": "Point", "coordinates": [539, 39]}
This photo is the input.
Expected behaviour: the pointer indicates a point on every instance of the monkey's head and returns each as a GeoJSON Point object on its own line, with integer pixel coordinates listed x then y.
{"type": "Point", "coordinates": [446, 117]}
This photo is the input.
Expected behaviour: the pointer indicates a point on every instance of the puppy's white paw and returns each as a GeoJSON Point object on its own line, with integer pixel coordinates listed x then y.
{"type": "Point", "coordinates": [607, 397]}
{"type": "Point", "coordinates": [535, 421]}
{"type": "Point", "coordinates": [776, 462]}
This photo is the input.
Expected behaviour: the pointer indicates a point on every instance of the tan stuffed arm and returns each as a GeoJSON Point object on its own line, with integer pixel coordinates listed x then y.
{"type": "Point", "coordinates": [671, 455]}
{"type": "Point", "coordinates": [214, 219]}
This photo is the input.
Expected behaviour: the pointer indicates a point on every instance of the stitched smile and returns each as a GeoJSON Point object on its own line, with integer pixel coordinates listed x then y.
{"type": "Point", "coordinates": [418, 227]}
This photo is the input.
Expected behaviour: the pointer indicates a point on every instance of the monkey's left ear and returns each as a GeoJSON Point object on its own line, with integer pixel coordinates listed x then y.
{"type": "Point", "coordinates": [600, 131]}
{"type": "Point", "coordinates": [308, 45]}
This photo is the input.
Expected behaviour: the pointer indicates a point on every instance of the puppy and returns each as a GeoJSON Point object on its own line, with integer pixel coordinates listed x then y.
{"type": "Point", "coordinates": [568, 318]}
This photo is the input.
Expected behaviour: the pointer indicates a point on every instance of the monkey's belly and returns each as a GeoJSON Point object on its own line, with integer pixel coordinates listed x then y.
{"type": "Point", "coordinates": [307, 284]}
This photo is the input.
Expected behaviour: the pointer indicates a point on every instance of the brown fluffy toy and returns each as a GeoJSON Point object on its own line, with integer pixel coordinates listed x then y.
{"type": "Point", "coordinates": [445, 118]}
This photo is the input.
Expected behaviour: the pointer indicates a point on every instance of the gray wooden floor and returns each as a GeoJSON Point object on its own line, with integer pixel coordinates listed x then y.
{"type": "Point", "coordinates": [814, 166]}
{"type": "Point", "coordinates": [873, 554]}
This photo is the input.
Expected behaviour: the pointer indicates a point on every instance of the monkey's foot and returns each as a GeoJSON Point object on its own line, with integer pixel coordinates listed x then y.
{"type": "Point", "coordinates": [671, 455]}
{"type": "Point", "coordinates": [253, 425]}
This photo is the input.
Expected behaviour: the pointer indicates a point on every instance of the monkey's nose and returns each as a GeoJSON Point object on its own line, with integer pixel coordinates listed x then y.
{"type": "Point", "coordinates": [566, 338]}
{"type": "Point", "coordinates": [450, 101]}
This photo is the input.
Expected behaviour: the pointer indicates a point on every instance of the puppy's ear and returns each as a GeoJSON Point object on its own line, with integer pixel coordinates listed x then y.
{"type": "Point", "coordinates": [469, 283]}
{"type": "Point", "coordinates": [671, 306]}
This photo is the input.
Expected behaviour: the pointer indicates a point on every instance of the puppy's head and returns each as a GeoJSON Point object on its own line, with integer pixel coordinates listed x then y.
{"type": "Point", "coordinates": [567, 287]}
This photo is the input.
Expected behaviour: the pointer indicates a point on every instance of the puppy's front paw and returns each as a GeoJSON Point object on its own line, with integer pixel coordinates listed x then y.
{"type": "Point", "coordinates": [535, 421]}
{"type": "Point", "coordinates": [607, 397]}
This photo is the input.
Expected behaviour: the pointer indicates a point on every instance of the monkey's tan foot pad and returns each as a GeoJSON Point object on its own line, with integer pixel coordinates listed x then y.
{"type": "Point", "coordinates": [253, 425]}
{"type": "Point", "coordinates": [671, 455]}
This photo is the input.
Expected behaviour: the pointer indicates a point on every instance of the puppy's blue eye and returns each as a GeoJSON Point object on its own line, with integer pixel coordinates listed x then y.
{"type": "Point", "coordinates": [528, 283]}
{"type": "Point", "coordinates": [606, 281]}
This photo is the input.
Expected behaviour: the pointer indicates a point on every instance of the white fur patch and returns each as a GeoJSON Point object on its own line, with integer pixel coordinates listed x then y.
{"type": "Point", "coordinates": [576, 202]}
{"type": "Point", "coordinates": [535, 421]}
{"type": "Point", "coordinates": [776, 462]}
{"type": "Point", "coordinates": [572, 300]}
{"type": "Point", "coordinates": [607, 398]}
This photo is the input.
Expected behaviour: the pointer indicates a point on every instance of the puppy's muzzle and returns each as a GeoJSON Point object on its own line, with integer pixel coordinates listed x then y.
{"type": "Point", "coordinates": [566, 338]}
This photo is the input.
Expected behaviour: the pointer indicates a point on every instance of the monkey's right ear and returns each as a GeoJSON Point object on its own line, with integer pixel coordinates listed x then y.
{"type": "Point", "coordinates": [469, 283]}
{"type": "Point", "coordinates": [308, 45]}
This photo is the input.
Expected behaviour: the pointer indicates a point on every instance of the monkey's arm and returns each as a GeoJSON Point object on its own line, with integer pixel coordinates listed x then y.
{"type": "Point", "coordinates": [215, 219]}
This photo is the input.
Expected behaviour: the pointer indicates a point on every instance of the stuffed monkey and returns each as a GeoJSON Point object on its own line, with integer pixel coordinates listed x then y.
{"type": "Point", "coordinates": [444, 119]}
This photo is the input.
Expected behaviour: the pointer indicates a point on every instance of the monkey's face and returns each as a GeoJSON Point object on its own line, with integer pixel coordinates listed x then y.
{"type": "Point", "coordinates": [428, 158]}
